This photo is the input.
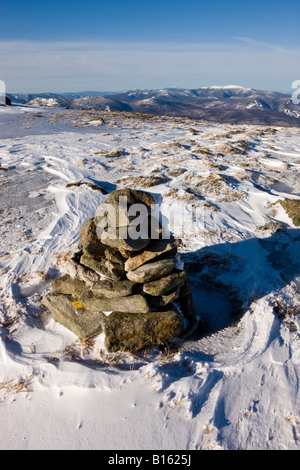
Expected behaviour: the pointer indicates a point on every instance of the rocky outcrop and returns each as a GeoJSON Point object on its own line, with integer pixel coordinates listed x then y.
{"type": "Point", "coordinates": [129, 288]}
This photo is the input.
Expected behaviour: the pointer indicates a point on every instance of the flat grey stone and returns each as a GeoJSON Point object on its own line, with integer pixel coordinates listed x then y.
{"type": "Point", "coordinates": [114, 238]}
{"type": "Point", "coordinates": [151, 271]}
{"type": "Point", "coordinates": [72, 315]}
{"type": "Point", "coordinates": [67, 285]}
{"type": "Point", "coordinates": [94, 300]}
{"type": "Point", "coordinates": [151, 252]}
{"type": "Point", "coordinates": [130, 304]}
{"type": "Point", "coordinates": [103, 266]}
{"type": "Point", "coordinates": [163, 300]}
{"type": "Point", "coordinates": [113, 289]}
{"type": "Point", "coordinates": [165, 284]}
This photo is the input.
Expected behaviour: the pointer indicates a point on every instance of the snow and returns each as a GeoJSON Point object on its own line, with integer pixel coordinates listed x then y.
{"type": "Point", "coordinates": [235, 388]}
{"type": "Point", "coordinates": [292, 112]}
{"type": "Point", "coordinates": [228, 87]}
{"type": "Point", "coordinates": [254, 104]}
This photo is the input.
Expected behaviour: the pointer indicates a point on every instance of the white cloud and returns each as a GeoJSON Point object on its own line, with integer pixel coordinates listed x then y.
{"type": "Point", "coordinates": [72, 66]}
{"type": "Point", "coordinates": [261, 44]}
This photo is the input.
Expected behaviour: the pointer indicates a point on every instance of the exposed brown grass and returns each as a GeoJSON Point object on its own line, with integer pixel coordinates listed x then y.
{"type": "Point", "coordinates": [142, 181]}
{"type": "Point", "coordinates": [176, 172]}
{"type": "Point", "coordinates": [10, 321]}
{"type": "Point", "coordinates": [286, 312]}
{"type": "Point", "coordinates": [87, 353]}
{"type": "Point", "coordinates": [63, 257]}
{"type": "Point", "coordinates": [18, 385]}
{"type": "Point", "coordinates": [271, 226]}
{"type": "Point", "coordinates": [88, 184]}
{"type": "Point", "coordinates": [187, 197]}
{"type": "Point", "coordinates": [116, 153]}
{"type": "Point", "coordinates": [292, 208]}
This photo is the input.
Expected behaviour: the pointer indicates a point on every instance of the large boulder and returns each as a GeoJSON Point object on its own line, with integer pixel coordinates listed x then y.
{"type": "Point", "coordinates": [130, 332]}
{"type": "Point", "coordinates": [67, 285]}
{"type": "Point", "coordinates": [72, 315]}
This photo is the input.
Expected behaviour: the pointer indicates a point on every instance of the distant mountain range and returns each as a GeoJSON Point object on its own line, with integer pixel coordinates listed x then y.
{"type": "Point", "coordinates": [231, 103]}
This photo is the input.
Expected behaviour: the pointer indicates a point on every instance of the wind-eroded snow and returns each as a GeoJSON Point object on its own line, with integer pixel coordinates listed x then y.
{"type": "Point", "coordinates": [237, 387]}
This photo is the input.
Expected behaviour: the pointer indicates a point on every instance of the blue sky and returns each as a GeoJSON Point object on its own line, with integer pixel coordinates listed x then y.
{"type": "Point", "coordinates": [73, 45]}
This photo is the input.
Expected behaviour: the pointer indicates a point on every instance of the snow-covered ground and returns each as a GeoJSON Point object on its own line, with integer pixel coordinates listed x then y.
{"type": "Point", "coordinates": [235, 388]}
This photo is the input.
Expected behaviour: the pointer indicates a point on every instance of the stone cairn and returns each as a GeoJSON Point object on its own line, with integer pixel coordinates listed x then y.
{"type": "Point", "coordinates": [132, 290]}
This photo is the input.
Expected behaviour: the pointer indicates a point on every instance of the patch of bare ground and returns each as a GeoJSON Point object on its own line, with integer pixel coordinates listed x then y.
{"type": "Point", "coordinates": [236, 131]}
{"type": "Point", "coordinates": [201, 151]}
{"type": "Point", "coordinates": [243, 145]}
{"type": "Point", "coordinates": [117, 153]}
{"type": "Point", "coordinates": [174, 172]}
{"type": "Point", "coordinates": [272, 226]}
{"type": "Point", "coordinates": [62, 258]}
{"type": "Point", "coordinates": [287, 313]}
{"type": "Point", "coordinates": [264, 131]}
{"type": "Point", "coordinates": [216, 185]}
{"type": "Point", "coordinates": [292, 208]}
{"type": "Point", "coordinates": [214, 165]}
{"type": "Point", "coordinates": [193, 131]}
{"type": "Point", "coordinates": [87, 352]}
{"type": "Point", "coordinates": [211, 207]}
{"type": "Point", "coordinates": [142, 181]}
{"type": "Point", "coordinates": [175, 145]}
{"type": "Point", "coordinates": [10, 315]}
{"type": "Point", "coordinates": [227, 148]}
{"type": "Point", "coordinates": [220, 136]}
{"type": "Point", "coordinates": [179, 195]}
{"type": "Point", "coordinates": [88, 184]}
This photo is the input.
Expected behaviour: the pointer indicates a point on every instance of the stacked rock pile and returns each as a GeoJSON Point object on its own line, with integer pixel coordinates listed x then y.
{"type": "Point", "coordinates": [130, 288]}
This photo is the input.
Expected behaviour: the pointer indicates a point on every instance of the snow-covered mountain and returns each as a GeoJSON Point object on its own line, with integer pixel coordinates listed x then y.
{"type": "Point", "coordinates": [231, 103]}
{"type": "Point", "coordinates": [99, 102]}
{"type": "Point", "coordinates": [55, 101]}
